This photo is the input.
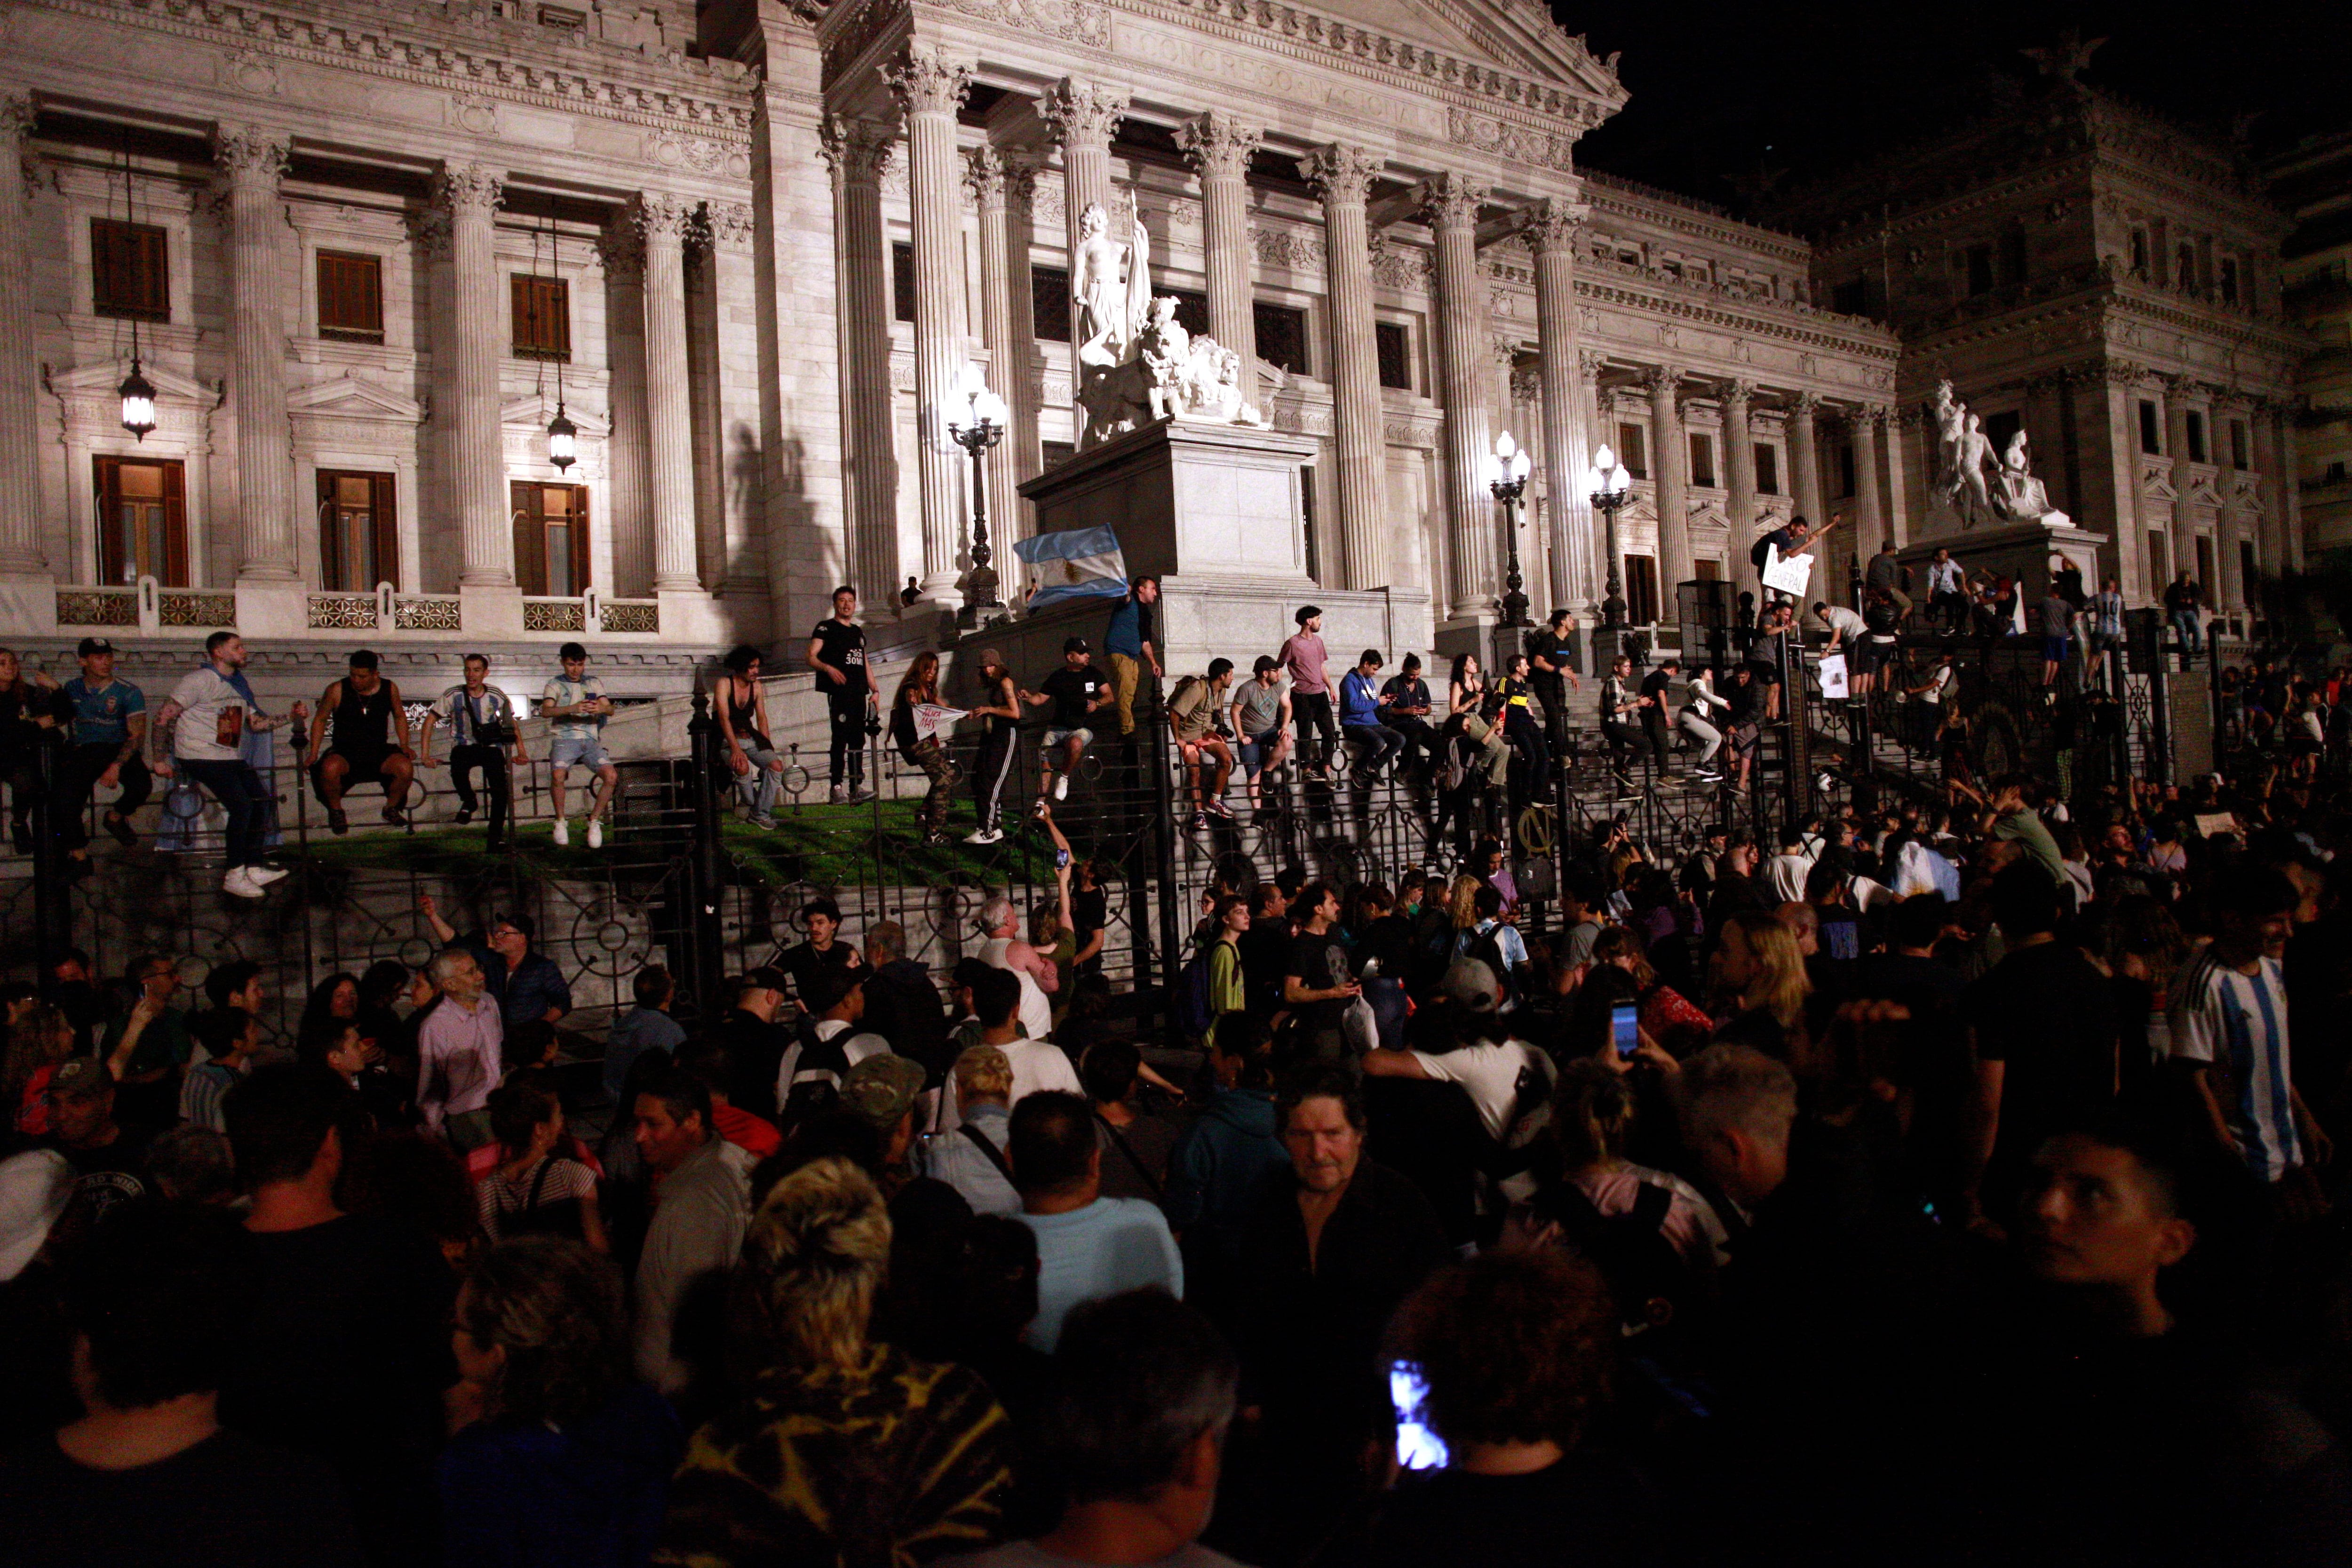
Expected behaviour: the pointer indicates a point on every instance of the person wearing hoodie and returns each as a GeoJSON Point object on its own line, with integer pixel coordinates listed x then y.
{"type": "Point", "coordinates": [1217, 1162]}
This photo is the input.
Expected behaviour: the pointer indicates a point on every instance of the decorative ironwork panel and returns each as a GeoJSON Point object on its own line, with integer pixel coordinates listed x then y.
{"type": "Point", "coordinates": [425, 615]}
{"type": "Point", "coordinates": [642, 615]}
{"type": "Point", "coordinates": [343, 612]}
{"type": "Point", "coordinates": [195, 609]}
{"type": "Point", "coordinates": [554, 616]}
{"type": "Point", "coordinates": [88, 608]}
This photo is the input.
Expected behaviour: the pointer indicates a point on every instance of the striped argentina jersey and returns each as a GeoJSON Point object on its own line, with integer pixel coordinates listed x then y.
{"type": "Point", "coordinates": [2237, 1021]}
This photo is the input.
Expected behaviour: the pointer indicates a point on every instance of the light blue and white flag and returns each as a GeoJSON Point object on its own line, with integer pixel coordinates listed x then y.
{"type": "Point", "coordinates": [1076, 563]}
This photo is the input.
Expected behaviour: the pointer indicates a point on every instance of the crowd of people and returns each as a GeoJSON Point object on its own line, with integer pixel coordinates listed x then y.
{"type": "Point", "coordinates": [1954, 1185]}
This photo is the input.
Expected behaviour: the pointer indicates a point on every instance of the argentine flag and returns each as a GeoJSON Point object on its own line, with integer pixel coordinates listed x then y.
{"type": "Point", "coordinates": [1076, 563]}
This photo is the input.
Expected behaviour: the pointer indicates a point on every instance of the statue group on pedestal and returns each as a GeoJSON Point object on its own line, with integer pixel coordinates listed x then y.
{"type": "Point", "coordinates": [1972, 479]}
{"type": "Point", "coordinates": [1135, 362]}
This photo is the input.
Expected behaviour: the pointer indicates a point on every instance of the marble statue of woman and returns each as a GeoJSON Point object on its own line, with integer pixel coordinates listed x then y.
{"type": "Point", "coordinates": [2022, 496]}
{"type": "Point", "coordinates": [1113, 287]}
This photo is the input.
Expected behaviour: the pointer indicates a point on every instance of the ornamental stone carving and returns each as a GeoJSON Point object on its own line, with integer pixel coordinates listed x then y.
{"type": "Point", "coordinates": [657, 215]}
{"type": "Point", "coordinates": [1555, 225]}
{"type": "Point", "coordinates": [1081, 115]}
{"type": "Point", "coordinates": [983, 173]}
{"type": "Point", "coordinates": [251, 153]}
{"type": "Point", "coordinates": [929, 84]}
{"type": "Point", "coordinates": [460, 186]}
{"type": "Point", "coordinates": [1215, 143]}
{"type": "Point", "coordinates": [1972, 484]}
{"type": "Point", "coordinates": [1451, 201]}
{"type": "Point", "coordinates": [1519, 143]}
{"type": "Point", "coordinates": [1288, 248]}
{"type": "Point", "coordinates": [857, 151]}
{"type": "Point", "coordinates": [1340, 172]}
{"type": "Point", "coordinates": [728, 223]}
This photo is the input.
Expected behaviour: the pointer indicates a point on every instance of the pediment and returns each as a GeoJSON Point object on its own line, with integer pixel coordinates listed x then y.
{"type": "Point", "coordinates": [535, 411]}
{"type": "Point", "coordinates": [1518, 36]}
{"type": "Point", "coordinates": [349, 397]}
{"type": "Point", "coordinates": [106, 375]}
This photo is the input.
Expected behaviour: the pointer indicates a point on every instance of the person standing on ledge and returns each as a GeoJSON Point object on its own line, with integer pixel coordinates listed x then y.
{"type": "Point", "coordinates": [576, 701]}
{"type": "Point", "coordinates": [836, 651]}
{"type": "Point", "coordinates": [1128, 641]}
{"type": "Point", "coordinates": [359, 707]}
{"type": "Point", "coordinates": [1303, 656]}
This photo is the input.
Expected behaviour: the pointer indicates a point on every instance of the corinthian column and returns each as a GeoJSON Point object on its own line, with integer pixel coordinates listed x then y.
{"type": "Point", "coordinates": [931, 89]}
{"type": "Point", "coordinates": [986, 172]}
{"type": "Point", "coordinates": [1669, 460]}
{"type": "Point", "coordinates": [857, 151]}
{"type": "Point", "coordinates": [1553, 229]}
{"type": "Point", "coordinates": [1082, 117]}
{"type": "Point", "coordinates": [1739, 480]}
{"type": "Point", "coordinates": [1343, 175]}
{"type": "Point", "coordinates": [1868, 423]}
{"type": "Point", "coordinates": [661, 221]}
{"type": "Point", "coordinates": [253, 159]}
{"type": "Point", "coordinates": [20, 456]}
{"type": "Point", "coordinates": [1219, 149]}
{"type": "Point", "coordinates": [472, 194]}
{"type": "Point", "coordinates": [1804, 459]}
{"type": "Point", "coordinates": [1450, 203]}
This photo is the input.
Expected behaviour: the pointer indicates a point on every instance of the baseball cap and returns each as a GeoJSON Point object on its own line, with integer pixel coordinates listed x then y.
{"type": "Point", "coordinates": [82, 1077]}
{"type": "Point", "coordinates": [94, 645]}
{"type": "Point", "coordinates": [882, 1089]}
{"type": "Point", "coordinates": [1470, 984]}
{"type": "Point", "coordinates": [1075, 645]}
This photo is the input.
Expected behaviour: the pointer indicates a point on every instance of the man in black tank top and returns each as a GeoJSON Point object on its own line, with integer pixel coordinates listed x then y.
{"type": "Point", "coordinates": [363, 711]}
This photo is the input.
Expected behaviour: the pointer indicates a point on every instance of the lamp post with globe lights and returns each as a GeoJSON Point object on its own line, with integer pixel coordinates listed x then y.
{"type": "Point", "coordinates": [981, 428]}
{"type": "Point", "coordinates": [1509, 483]}
{"type": "Point", "coordinates": [1609, 487]}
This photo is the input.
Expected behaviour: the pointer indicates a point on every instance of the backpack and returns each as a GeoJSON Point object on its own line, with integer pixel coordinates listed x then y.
{"type": "Point", "coordinates": [1645, 1275]}
{"type": "Point", "coordinates": [1759, 555]}
{"type": "Point", "coordinates": [1193, 992]}
{"type": "Point", "coordinates": [1487, 949]}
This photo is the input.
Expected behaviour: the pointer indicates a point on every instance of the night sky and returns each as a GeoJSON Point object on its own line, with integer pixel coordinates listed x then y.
{"type": "Point", "coordinates": [1720, 90]}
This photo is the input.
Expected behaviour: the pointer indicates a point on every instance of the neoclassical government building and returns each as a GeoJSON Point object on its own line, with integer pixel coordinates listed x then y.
{"type": "Point", "coordinates": [365, 256]}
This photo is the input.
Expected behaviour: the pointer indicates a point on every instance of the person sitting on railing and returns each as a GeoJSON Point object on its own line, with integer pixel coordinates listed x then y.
{"type": "Point", "coordinates": [1519, 727]}
{"type": "Point", "coordinates": [481, 721]}
{"type": "Point", "coordinates": [1360, 707]}
{"type": "Point", "coordinates": [1468, 714]}
{"type": "Point", "coordinates": [1260, 720]}
{"type": "Point", "coordinates": [576, 701]}
{"type": "Point", "coordinates": [211, 714]}
{"type": "Point", "coordinates": [741, 709]}
{"type": "Point", "coordinates": [109, 733]}
{"type": "Point", "coordinates": [1193, 708]}
{"type": "Point", "coordinates": [360, 708]}
{"type": "Point", "coordinates": [1078, 691]}
{"type": "Point", "coordinates": [1406, 709]}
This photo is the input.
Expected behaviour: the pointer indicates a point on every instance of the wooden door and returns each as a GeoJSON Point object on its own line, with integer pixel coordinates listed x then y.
{"type": "Point", "coordinates": [142, 520]}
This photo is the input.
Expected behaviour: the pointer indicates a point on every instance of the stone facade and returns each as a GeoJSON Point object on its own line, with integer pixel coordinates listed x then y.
{"type": "Point", "coordinates": [2109, 283]}
{"type": "Point", "coordinates": [783, 230]}
{"type": "Point", "coordinates": [2314, 183]}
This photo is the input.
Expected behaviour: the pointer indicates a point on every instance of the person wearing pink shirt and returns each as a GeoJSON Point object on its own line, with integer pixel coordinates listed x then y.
{"type": "Point", "coordinates": [1310, 692]}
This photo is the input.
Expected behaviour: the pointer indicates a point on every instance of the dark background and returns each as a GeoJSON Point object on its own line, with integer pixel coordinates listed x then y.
{"type": "Point", "coordinates": [1721, 92]}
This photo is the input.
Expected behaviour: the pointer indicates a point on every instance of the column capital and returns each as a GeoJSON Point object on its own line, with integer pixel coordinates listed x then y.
{"type": "Point", "coordinates": [463, 187]}
{"type": "Point", "coordinates": [728, 222]}
{"type": "Point", "coordinates": [1805, 404]}
{"type": "Point", "coordinates": [657, 215]}
{"type": "Point", "coordinates": [1663, 380]}
{"type": "Point", "coordinates": [1217, 144]}
{"type": "Point", "coordinates": [857, 151]}
{"type": "Point", "coordinates": [248, 155]}
{"type": "Point", "coordinates": [1527, 385]}
{"type": "Point", "coordinates": [1080, 113]}
{"type": "Point", "coordinates": [985, 175]}
{"type": "Point", "coordinates": [1506, 346]}
{"type": "Point", "coordinates": [1451, 201]}
{"type": "Point", "coordinates": [1591, 361]}
{"type": "Point", "coordinates": [1553, 225]}
{"type": "Point", "coordinates": [1022, 167]}
{"type": "Point", "coordinates": [1865, 416]}
{"type": "Point", "coordinates": [1341, 173]}
{"type": "Point", "coordinates": [928, 83]}
{"type": "Point", "coordinates": [620, 246]}
{"type": "Point", "coordinates": [1738, 394]}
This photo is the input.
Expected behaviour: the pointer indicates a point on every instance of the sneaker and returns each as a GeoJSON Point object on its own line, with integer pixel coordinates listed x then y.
{"type": "Point", "coordinates": [1219, 808]}
{"type": "Point", "coordinates": [840, 795]}
{"type": "Point", "coordinates": [985, 836]}
{"type": "Point", "coordinates": [765, 824]}
{"type": "Point", "coordinates": [124, 834]}
{"type": "Point", "coordinates": [595, 833]}
{"type": "Point", "coordinates": [465, 814]}
{"type": "Point", "coordinates": [1198, 824]}
{"type": "Point", "coordinates": [262, 876]}
{"type": "Point", "coordinates": [238, 885]}
{"type": "Point", "coordinates": [937, 838]}
{"type": "Point", "coordinates": [1061, 786]}
{"type": "Point", "coordinates": [562, 832]}
{"type": "Point", "coordinates": [394, 816]}
{"type": "Point", "coordinates": [860, 793]}
{"type": "Point", "coordinates": [337, 823]}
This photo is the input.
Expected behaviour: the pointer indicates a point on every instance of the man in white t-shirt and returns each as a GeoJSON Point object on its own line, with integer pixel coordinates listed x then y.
{"type": "Point", "coordinates": [211, 712]}
{"type": "Point", "coordinates": [2229, 1025]}
{"type": "Point", "coordinates": [1036, 1064]}
{"type": "Point", "coordinates": [1003, 948]}
{"type": "Point", "coordinates": [1505, 1078]}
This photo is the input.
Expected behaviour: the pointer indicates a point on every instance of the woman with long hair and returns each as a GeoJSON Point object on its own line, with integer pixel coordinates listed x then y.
{"type": "Point", "coordinates": [1594, 1111]}
{"type": "Point", "coordinates": [920, 685]}
{"type": "Point", "coordinates": [334, 1000]}
{"type": "Point", "coordinates": [535, 1190]}
{"type": "Point", "coordinates": [557, 1458]}
{"type": "Point", "coordinates": [1757, 987]}
{"type": "Point", "coordinates": [38, 1043]}
{"type": "Point", "coordinates": [841, 1448]}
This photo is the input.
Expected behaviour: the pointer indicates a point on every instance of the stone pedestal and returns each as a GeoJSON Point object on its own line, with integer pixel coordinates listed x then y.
{"type": "Point", "coordinates": [2021, 550]}
{"type": "Point", "coordinates": [1216, 511]}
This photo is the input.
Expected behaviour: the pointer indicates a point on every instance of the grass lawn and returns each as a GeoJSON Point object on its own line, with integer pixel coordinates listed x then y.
{"type": "Point", "coordinates": [827, 845]}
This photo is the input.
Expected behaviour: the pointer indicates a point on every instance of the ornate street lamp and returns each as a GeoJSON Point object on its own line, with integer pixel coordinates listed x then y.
{"type": "Point", "coordinates": [981, 428]}
{"type": "Point", "coordinates": [1609, 487]}
{"type": "Point", "coordinates": [1509, 484]}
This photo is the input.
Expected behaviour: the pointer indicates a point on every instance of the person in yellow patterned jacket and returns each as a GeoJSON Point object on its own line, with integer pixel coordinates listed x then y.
{"type": "Point", "coordinates": [843, 1450]}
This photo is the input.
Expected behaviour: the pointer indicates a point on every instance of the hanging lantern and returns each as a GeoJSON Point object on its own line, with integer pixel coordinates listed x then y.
{"type": "Point", "coordinates": [138, 401]}
{"type": "Point", "coordinates": [562, 448]}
